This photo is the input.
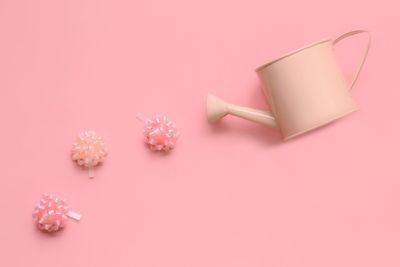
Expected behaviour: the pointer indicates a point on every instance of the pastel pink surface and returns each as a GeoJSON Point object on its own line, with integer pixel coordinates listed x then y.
{"type": "Point", "coordinates": [227, 195]}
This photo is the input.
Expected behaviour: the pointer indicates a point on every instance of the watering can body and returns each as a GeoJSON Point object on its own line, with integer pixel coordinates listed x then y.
{"type": "Point", "coordinates": [305, 89]}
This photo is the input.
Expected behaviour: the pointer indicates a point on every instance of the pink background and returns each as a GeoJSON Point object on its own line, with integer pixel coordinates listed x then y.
{"type": "Point", "coordinates": [229, 195]}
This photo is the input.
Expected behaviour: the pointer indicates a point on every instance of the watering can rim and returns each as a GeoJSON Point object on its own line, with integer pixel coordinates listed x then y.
{"type": "Point", "coordinates": [292, 52]}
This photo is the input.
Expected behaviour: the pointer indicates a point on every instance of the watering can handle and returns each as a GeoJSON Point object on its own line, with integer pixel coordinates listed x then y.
{"type": "Point", "coordinates": [348, 34]}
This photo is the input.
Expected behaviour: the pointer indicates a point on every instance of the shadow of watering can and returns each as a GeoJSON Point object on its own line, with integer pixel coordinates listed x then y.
{"type": "Point", "coordinates": [305, 88]}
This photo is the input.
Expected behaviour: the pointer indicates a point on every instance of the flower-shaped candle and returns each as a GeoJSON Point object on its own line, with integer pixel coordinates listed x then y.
{"type": "Point", "coordinates": [51, 213]}
{"type": "Point", "coordinates": [89, 151]}
{"type": "Point", "coordinates": [159, 133]}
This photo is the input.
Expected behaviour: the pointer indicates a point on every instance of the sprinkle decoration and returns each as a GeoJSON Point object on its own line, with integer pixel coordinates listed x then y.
{"type": "Point", "coordinates": [51, 213]}
{"type": "Point", "coordinates": [89, 150]}
{"type": "Point", "coordinates": [160, 134]}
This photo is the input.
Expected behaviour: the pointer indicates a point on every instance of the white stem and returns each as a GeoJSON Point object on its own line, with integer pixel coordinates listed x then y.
{"type": "Point", "coordinates": [142, 117]}
{"type": "Point", "coordinates": [91, 172]}
{"type": "Point", "coordinates": [74, 215]}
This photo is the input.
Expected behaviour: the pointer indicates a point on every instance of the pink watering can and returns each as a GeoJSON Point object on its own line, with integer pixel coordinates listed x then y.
{"type": "Point", "coordinates": [305, 89]}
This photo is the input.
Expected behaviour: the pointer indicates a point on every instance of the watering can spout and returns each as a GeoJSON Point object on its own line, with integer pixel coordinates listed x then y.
{"type": "Point", "coordinates": [217, 108]}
